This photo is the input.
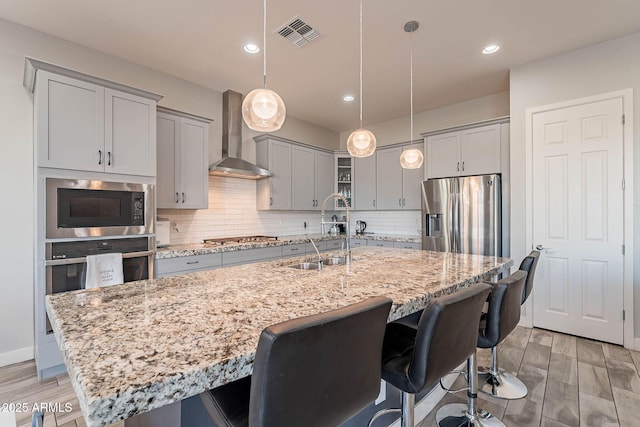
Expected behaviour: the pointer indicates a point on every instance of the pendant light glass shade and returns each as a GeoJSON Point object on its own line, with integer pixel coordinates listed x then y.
{"type": "Point", "coordinates": [263, 110]}
{"type": "Point", "coordinates": [361, 143]}
{"type": "Point", "coordinates": [411, 159]}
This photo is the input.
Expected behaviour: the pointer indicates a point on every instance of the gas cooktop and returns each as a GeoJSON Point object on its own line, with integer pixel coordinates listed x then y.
{"type": "Point", "coordinates": [243, 239]}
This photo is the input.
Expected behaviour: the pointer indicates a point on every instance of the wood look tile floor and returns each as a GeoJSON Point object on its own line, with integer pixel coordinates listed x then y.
{"type": "Point", "coordinates": [571, 381]}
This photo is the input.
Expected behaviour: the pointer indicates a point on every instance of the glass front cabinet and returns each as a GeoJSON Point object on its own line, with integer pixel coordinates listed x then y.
{"type": "Point", "coordinates": [344, 179]}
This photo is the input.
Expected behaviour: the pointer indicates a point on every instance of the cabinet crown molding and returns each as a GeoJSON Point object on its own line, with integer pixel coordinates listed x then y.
{"type": "Point", "coordinates": [32, 65]}
{"type": "Point", "coordinates": [167, 110]}
{"type": "Point", "coordinates": [497, 120]}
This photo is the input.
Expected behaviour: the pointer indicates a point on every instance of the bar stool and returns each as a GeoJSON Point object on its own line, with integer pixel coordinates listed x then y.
{"type": "Point", "coordinates": [415, 358]}
{"type": "Point", "coordinates": [494, 381]}
{"type": "Point", "coordinates": [502, 317]}
{"type": "Point", "coordinates": [318, 370]}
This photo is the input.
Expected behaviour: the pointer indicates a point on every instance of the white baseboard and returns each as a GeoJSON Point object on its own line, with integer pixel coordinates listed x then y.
{"type": "Point", "coordinates": [15, 356]}
{"type": "Point", "coordinates": [431, 400]}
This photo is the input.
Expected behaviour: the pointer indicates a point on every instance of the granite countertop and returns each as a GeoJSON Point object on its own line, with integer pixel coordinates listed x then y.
{"type": "Point", "coordinates": [175, 251]}
{"type": "Point", "coordinates": [138, 346]}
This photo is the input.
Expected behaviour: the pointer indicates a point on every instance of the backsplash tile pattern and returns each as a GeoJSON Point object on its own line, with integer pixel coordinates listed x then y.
{"type": "Point", "coordinates": [232, 212]}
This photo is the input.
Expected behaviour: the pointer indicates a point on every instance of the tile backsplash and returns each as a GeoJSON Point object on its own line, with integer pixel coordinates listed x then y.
{"type": "Point", "coordinates": [232, 212]}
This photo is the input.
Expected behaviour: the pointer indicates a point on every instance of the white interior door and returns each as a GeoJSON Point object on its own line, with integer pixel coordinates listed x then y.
{"type": "Point", "coordinates": [578, 219]}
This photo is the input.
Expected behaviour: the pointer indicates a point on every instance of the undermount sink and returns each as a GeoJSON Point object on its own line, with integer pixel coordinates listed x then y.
{"type": "Point", "coordinates": [336, 260]}
{"type": "Point", "coordinates": [306, 266]}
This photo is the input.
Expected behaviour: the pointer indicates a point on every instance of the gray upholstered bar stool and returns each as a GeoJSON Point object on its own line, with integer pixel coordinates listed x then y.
{"type": "Point", "coordinates": [415, 358]}
{"type": "Point", "coordinates": [495, 381]}
{"type": "Point", "coordinates": [502, 317]}
{"type": "Point", "coordinates": [318, 370]}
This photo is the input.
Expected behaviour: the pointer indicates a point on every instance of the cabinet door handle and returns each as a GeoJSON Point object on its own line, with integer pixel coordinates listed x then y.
{"type": "Point", "coordinates": [293, 249]}
{"type": "Point", "coordinates": [108, 158]}
{"type": "Point", "coordinates": [458, 167]}
{"type": "Point", "coordinates": [374, 203]}
{"type": "Point", "coordinates": [270, 201]}
{"type": "Point", "coordinates": [183, 197]}
{"type": "Point", "coordinates": [403, 202]}
{"type": "Point", "coordinates": [192, 262]}
{"type": "Point", "coordinates": [463, 166]}
{"type": "Point", "coordinates": [399, 202]}
{"type": "Point", "coordinates": [177, 198]}
{"type": "Point", "coordinates": [99, 157]}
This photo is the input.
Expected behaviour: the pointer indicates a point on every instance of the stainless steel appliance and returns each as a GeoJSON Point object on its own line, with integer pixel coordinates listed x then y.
{"type": "Point", "coordinates": [66, 262]}
{"type": "Point", "coordinates": [88, 208]}
{"type": "Point", "coordinates": [462, 215]}
{"type": "Point", "coordinates": [360, 227]}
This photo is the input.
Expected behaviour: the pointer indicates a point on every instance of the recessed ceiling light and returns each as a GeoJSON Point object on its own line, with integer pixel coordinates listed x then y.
{"type": "Point", "coordinates": [348, 98]}
{"type": "Point", "coordinates": [251, 48]}
{"type": "Point", "coordinates": [492, 48]}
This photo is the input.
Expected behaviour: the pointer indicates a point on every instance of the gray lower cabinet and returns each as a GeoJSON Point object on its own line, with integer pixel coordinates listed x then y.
{"type": "Point", "coordinates": [358, 242]}
{"type": "Point", "coordinates": [187, 264]}
{"type": "Point", "coordinates": [293, 250]}
{"type": "Point", "coordinates": [407, 245]}
{"type": "Point", "coordinates": [380, 243]}
{"type": "Point", "coordinates": [251, 255]}
{"type": "Point", "coordinates": [335, 244]}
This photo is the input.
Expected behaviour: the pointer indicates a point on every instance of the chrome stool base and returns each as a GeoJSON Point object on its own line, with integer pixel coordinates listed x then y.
{"type": "Point", "coordinates": [502, 385]}
{"type": "Point", "coordinates": [456, 415]}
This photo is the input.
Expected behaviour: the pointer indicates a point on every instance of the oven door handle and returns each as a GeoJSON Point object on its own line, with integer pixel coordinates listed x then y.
{"type": "Point", "coordinates": [81, 260]}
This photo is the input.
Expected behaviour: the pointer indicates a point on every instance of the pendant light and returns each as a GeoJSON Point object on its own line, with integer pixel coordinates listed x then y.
{"type": "Point", "coordinates": [411, 158]}
{"type": "Point", "coordinates": [263, 109]}
{"type": "Point", "coordinates": [361, 142]}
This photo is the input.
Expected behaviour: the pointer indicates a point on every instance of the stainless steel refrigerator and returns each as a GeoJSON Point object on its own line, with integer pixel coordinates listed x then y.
{"type": "Point", "coordinates": [462, 215]}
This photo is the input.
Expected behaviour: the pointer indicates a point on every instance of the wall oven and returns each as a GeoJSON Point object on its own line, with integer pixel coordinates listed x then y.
{"type": "Point", "coordinates": [66, 263]}
{"type": "Point", "coordinates": [88, 208]}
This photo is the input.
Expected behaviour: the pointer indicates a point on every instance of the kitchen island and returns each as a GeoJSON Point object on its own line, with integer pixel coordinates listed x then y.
{"type": "Point", "coordinates": [139, 346]}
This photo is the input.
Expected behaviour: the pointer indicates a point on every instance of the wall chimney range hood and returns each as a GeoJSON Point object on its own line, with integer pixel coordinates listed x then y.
{"type": "Point", "coordinates": [232, 165]}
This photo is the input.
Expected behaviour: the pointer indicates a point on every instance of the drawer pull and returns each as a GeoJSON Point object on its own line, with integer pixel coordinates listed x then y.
{"type": "Point", "coordinates": [192, 262]}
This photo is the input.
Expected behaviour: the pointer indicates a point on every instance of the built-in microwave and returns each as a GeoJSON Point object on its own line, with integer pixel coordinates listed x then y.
{"type": "Point", "coordinates": [88, 208]}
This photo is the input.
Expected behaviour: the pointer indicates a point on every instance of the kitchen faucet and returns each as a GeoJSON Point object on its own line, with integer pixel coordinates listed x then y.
{"type": "Point", "coordinates": [346, 222]}
{"type": "Point", "coordinates": [318, 252]}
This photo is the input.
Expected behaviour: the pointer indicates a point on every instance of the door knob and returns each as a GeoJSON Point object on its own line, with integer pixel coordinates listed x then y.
{"type": "Point", "coordinates": [541, 248]}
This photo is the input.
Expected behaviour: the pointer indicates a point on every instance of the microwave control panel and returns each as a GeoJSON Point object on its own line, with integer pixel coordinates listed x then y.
{"type": "Point", "coordinates": [138, 208]}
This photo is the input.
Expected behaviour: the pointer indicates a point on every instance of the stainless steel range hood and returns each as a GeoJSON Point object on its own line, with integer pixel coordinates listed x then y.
{"type": "Point", "coordinates": [231, 164]}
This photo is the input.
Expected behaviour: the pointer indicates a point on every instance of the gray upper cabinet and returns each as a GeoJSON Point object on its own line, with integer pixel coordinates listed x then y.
{"type": "Point", "coordinates": [303, 179]}
{"type": "Point", "coordinates": [129, 134]}
{"type": "Point", "coordinates": [389, 178]}
{"type": "Point", "coordinates": [183, 141]}
{"type": "Point", "coordinates": [397, 188]}
{"type": "Point", "coordinates": [81, 125]}
{"type": "Point", "coordinates": [324, 178]}
{"type": "Point", "coordinates": [275, 192]}
{"type": "Point", "coordinates": [472, 151]}
{"type": "Point", "coordinates": [364, 183]}
{"type": "Point", "coordinates": [312, 178]}
{"type": "Point", "coordinates": [302, 176]}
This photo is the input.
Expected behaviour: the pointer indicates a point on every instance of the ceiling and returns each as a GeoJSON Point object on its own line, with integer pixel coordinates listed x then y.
{"type": "Point", "coordinates": [201, 41]}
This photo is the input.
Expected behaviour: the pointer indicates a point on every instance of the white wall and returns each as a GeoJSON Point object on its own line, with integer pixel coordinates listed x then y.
{"type": "Point", "coordinates": [16, 163]}
{"type": "Point", "coordinates": [602, 68]}
{"type": "Point", "coordinates": [472, 111]}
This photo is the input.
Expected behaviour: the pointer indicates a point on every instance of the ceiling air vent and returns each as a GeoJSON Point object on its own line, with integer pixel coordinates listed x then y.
{"type": "Point", "coordinates": [298, 32]}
